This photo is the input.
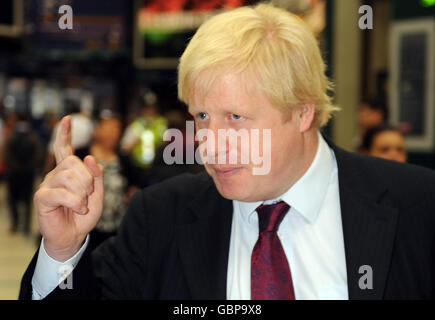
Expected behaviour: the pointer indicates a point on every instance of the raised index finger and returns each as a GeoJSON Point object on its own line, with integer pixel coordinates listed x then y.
{"type": "Point", "coordinates": [62, 145]}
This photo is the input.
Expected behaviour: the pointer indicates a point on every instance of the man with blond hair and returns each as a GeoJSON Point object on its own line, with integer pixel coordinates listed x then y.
{"type": "Point", "coordinates": [321, 223]}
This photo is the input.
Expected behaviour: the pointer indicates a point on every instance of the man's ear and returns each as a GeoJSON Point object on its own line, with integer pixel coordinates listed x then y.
{"type": "Point", "coordinates": [306, 116]}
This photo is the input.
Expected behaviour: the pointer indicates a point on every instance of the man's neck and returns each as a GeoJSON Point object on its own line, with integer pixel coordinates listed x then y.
{"type": "Point", "coordinates": [310, 145]}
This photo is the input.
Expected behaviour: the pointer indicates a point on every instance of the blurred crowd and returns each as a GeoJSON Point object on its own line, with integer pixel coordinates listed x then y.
{"type": "Point", "coordinates": [132, 153]}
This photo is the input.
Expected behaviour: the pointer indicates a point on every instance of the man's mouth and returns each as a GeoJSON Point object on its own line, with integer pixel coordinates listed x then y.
{"type": "Point", "coordinates": [225, 172]}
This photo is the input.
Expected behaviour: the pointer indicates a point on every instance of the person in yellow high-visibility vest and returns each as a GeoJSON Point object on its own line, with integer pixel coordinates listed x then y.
{"type": "Point", "coordinates": [145, 134]}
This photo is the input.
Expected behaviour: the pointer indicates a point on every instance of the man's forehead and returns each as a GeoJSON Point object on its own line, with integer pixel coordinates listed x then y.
{"type": "Point", "coordinates": [246, 105]}
{"type": "Point", "coordinates": [228, 92]}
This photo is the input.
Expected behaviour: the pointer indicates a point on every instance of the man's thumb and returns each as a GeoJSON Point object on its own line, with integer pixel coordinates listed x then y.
{"type": "Point", "coordinates": [95, 168]}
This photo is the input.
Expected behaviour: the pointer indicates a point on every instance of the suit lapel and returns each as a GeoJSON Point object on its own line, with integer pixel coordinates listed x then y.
{"type": "Point", "coordinates": [204, 243]}
{"type": "Point", "coordinates": [369, 227]}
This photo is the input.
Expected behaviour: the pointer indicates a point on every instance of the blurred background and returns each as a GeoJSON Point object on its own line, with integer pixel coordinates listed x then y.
{"type": "Point", "coordinates": [115, 72]}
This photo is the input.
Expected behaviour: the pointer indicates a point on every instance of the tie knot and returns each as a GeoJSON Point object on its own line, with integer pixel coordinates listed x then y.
{"type": "Point", "coordinates": [270, 216]}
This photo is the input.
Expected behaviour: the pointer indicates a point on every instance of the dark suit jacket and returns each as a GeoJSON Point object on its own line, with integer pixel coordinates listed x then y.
{"type": "Point", "coordinates": [174, 241]}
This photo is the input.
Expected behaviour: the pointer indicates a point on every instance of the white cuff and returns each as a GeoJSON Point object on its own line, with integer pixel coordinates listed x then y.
{"type": "Point", "coordinates": [50, 273]}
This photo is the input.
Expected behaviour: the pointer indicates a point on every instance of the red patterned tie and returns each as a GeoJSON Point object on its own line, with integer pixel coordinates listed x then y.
{"type": "Point", "coordinates": [270, 272]}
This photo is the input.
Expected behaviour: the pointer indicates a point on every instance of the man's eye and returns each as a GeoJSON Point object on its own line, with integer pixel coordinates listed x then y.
{"type": "Point", "coordinates": [202, 116]}
{"type": "Point", "coordinates": [236, 117]}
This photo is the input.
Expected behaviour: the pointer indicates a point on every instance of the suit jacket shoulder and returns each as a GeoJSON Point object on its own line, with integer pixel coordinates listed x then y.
{"type": "Point", "coordinates": [388, 216]}
{"type": "Point", "coordinates": [408, 185]}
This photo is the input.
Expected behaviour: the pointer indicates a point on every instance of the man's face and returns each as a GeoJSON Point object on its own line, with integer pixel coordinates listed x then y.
{"type": "Point", "coordinates": [228, 105]}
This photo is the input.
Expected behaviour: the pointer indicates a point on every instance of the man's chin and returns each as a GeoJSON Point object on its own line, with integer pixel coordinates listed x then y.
{"type": "Point", "coordinates": [231, 185]}
{"type": "Point", "coordinates": [234, 191]}
{"type": "Point", "coordinates": [231, 195]}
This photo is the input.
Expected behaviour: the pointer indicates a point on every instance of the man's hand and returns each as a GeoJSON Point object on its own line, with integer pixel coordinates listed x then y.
{"type": "Point", "coordinates": [69, 201]}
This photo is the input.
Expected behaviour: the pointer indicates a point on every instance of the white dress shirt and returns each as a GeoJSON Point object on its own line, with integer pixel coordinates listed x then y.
{"type": "Point", "coordinates": [311, 234]}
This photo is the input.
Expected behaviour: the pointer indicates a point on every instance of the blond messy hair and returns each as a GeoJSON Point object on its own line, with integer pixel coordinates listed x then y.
{"type": "Point", "coordinates": [264, 43]}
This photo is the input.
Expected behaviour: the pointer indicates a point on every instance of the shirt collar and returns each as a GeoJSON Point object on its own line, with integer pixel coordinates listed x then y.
{"type": "Point", "coordinates": [307, 194]}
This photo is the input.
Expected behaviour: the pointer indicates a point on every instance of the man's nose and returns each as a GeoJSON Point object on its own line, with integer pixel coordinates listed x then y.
{"type": "Point", "coordinates": [217, 141]}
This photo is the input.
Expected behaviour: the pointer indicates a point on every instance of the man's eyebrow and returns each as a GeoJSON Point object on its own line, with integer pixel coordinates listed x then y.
{"type": "Point", "coordinates": [228, 109]}
{"type": "Point", "coordinates": [192, 110]}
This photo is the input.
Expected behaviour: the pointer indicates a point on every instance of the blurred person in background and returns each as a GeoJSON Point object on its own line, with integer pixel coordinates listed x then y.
{"type": "Point", "coordinates": [371, 113]}
{"type": "Point", "coordinates": [81, 135]}
{"type": "Point", "coordinates": [384, 141]}
{"type": "Point", "coordinates": [44, 127]}
{"type": "Point", "coordinates": [6, 130]}
{"type": "Point", "coordinates": [144, 136]}
{"type": "Point", "coordinates": [22, 155]}
{"type": "Point", "coordinates": [9, 125]}
{"type": "Point", "coordinates": [2, 167]}
{"type": "Point", "coordinates": [160, 170]}
{"type": "Point", "coordinates": [105, 149]}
